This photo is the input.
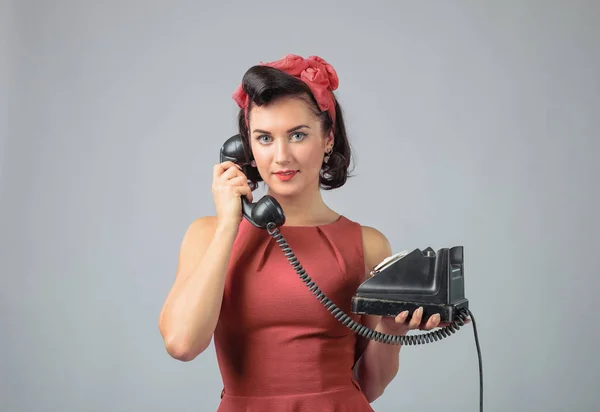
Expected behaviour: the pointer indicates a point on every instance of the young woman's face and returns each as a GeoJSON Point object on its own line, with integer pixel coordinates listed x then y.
{"type": "Point", "coordinates": [288, 145]}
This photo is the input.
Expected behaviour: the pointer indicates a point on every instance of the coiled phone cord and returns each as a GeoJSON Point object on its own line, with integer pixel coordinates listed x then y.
{"type": "Point", "coordinates": [371, 334]}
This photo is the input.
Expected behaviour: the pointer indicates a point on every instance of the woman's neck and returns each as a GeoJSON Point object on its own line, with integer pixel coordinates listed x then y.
{"type": "Point", "coordinates": [306, 209]}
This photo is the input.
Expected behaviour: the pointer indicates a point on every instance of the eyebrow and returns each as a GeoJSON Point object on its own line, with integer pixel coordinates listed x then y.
{"type": "Point", "coordinates": [289, 131]}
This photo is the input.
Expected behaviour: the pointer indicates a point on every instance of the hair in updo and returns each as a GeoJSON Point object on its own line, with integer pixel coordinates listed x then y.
{"type": "Point", "coordinates": [265, 84]}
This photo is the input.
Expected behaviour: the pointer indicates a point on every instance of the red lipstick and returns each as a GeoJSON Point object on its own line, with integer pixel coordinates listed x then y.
{"type": "Point", "coordinates": [286, 175]}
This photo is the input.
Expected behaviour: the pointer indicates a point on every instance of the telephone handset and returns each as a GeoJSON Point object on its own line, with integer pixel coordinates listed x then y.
{"type": "Point", "coordinates": [266, 210]}
{"type": "Point", "coordinates": [403, 281]}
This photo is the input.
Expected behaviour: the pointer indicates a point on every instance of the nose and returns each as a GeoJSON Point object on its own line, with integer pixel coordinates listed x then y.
{"type": "Point", "coordinates": [282, 152]}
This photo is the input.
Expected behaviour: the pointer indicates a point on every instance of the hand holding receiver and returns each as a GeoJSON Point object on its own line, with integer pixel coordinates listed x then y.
{"type": "Point", "coordinates": [229, 184]}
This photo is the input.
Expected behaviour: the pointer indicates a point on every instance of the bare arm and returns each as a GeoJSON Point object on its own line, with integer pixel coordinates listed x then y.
{"type": "Point", "coordinates": [191, 311]}
{"type": "Point", "coordinates": [379, 363]}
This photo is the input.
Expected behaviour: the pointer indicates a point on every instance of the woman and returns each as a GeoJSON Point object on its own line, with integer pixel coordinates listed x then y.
{"type": "Point", "coordinates": [278, 348]}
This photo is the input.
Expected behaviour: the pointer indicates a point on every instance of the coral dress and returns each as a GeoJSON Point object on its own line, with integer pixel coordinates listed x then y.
{"type": "Point", "coordinates": [277, 346]}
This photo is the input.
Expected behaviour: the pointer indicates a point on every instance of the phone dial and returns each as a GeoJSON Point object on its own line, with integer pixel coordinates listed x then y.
{"type": "Point", "coordinates": [403, 281]}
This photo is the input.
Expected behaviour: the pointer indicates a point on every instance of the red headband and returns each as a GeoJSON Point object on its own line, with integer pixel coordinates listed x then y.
{"type": "Point", "coordinates": [319, 75]}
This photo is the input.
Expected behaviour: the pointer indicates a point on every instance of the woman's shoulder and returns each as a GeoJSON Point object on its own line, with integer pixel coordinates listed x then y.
{"type": "Point", "coordinates": [198, 235]}
{"type": "Point", "coordinates": [202, 226]}
{"type": "Point", "coordinates": [376, 246]}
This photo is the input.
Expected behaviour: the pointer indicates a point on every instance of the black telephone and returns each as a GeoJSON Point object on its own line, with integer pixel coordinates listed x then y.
{"type": "Point", "coordinates": [403, 281]}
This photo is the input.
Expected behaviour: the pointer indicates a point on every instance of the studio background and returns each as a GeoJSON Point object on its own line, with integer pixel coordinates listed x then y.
{"type": "Point", "coordinates": [473, 123]}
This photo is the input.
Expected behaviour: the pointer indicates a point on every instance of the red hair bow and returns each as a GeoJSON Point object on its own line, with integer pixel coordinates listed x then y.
{"type": "Point", "coordinates": [319, 75]}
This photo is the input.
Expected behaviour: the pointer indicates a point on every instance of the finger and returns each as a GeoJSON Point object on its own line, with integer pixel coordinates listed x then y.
{"type": "Point", "coordinates": [245, 191]}
{"type": "Point", "coordinates": [222, 185]}
{"type": "Point", "coordinates": [230, 173]}
{"type": "Point", "coordinates": [220, 168]}
{"type": "Point", "coordinates": [228, 163]}
{"type": "Point", "coordinates": [402, 316]}
{"type": "Point", "coordinates": [415, 321]}
{"type": "Point", "coordinates": [432, 322]}
{"type": "Point", "coordinates": [249, 196]}
{"type": "Point", "coordinates": [237, 181]}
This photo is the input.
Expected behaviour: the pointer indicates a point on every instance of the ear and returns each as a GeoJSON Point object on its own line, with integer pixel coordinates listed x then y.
{"type": "Point", "coordinates": [330, 140]}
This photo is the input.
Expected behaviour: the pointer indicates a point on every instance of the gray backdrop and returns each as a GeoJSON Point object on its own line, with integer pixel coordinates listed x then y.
{"type": "Point", "coordinates": [473, 123]}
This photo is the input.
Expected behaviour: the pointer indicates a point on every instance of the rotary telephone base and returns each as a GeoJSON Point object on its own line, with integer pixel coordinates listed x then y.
{"type": "Point", "coordinates": [404, 281]}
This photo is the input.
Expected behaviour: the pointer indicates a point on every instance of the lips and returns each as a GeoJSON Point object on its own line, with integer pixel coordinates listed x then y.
{"type": "Point", "coordinates": [286, 174]}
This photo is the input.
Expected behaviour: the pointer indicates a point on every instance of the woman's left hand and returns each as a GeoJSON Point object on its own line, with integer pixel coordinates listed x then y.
{"type": "Point", "coordinates": [400, 325]}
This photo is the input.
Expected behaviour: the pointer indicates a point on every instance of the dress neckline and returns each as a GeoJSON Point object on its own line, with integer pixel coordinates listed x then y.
{"type": "Point", "coordinates": [296, 228]}
{"type": "Point", "coordinates": [299, 227]}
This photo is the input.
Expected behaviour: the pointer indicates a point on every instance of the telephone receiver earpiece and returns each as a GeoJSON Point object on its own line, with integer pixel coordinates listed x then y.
{"type": "Point", "coordinates": [266, 210]}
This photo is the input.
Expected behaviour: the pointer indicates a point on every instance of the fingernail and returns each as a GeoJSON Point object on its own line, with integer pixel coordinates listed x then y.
{"type": "Point", "coordinates": [420, 310]}
{"type": "Point", "coordinates": [436, 317]}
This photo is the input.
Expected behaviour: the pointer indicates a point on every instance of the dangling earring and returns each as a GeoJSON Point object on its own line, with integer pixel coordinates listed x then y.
{"type": "Point", "coordinates": [328, 154]}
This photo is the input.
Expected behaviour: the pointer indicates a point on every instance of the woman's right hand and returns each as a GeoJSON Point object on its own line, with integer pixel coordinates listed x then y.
{"type": "Point", "coordinates": [229, 184]}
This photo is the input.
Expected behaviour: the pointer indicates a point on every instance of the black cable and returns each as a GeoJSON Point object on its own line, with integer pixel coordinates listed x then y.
{"type": "Point", "coordinates": [371, 334]}
{"type": "Point", "coordinates": [479, 359]}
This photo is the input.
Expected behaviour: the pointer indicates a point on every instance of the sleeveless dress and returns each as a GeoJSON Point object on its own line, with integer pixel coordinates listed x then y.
{"type": "Point", "coordinates": [277, 346]}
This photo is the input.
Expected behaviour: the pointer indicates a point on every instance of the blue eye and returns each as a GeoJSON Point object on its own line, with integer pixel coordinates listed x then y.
{"type": "Point", "coordinates": [300, 135]}
{"type": "Point", "coordinates": [262, 138]}
{"type": "Point", "coordinates": [265, 138]}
